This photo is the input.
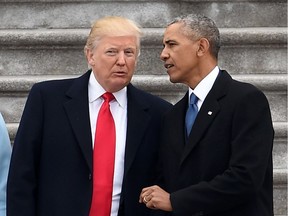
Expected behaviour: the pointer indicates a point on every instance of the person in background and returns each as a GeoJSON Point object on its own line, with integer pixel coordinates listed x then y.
{"type": "Point", "coordinates": [222, 163]}
{"type": "Point", "coordinates": [5, 154]}
{"type": "Point", "coordinates": [88, 145]}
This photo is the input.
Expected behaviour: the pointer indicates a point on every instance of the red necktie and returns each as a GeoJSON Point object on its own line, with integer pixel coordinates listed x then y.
{"type": "Point", "coordinates": [103, 160]}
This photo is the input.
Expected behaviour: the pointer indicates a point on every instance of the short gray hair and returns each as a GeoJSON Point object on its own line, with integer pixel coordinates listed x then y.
{"type": "Point", "coordinates": [196, 26]}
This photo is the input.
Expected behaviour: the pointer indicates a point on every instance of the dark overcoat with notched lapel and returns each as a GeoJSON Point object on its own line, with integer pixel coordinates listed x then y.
{"type": "Point", "coordinates": [51, 165]}
{"type": "Point", "coordinates": [225, 166]}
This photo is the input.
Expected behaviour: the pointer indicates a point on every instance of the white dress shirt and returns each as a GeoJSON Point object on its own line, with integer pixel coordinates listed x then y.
{"type": "Point", "coordinates": [118, 109]}
{"type": "Point", "coordinates": [203, 88]}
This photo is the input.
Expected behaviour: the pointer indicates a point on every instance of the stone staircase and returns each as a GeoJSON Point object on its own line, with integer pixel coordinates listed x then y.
{"type": "Point", "coordinates": [44, 39]}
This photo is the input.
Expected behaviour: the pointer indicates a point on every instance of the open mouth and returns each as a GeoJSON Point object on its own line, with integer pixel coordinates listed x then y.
{"type": "Point", "coordinates": [167, 66]}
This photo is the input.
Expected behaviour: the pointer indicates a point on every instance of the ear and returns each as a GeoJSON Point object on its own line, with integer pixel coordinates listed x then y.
{"type": "Point", "coordinates": [89, 56]}
{"type": "Point", "coordinates": [203, 48]}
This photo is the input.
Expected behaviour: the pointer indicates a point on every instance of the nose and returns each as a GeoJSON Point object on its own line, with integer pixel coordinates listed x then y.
{"type": "Point", "coordinates": [164, 55]}
{"type": "Point", "coordinates": [121, 59]}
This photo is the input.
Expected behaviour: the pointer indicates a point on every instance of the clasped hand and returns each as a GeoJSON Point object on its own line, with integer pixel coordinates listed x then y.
{"type": "Point", "coordinates": [155, 197]}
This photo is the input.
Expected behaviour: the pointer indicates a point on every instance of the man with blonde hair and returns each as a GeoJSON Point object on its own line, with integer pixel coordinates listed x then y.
{"type": "Point", "coordinates": [86, 146]}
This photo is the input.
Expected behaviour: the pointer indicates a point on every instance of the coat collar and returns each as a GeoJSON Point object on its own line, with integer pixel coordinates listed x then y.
{"type": "Point", "coordinates": [77, 109]}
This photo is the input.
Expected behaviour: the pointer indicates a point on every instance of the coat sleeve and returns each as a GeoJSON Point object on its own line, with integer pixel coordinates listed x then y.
{"type": "Point", "coordinates": [22, 178]}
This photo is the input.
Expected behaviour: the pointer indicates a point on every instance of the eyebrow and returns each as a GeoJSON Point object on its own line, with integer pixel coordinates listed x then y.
{"type": "Point", "coordinates": [169, 41]}
{"type": "Point", "coordinates": [125, 48]}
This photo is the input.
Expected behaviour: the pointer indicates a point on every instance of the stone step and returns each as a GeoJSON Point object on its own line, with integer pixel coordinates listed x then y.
{"type": "Point", "coordinates": [17, 14]}
{"type": "Point", "coordinates": [60, 51]}
{"type": "Point", "coordinates": [280, 192]}
{"type": "Point", "coordinates": [42, 41]}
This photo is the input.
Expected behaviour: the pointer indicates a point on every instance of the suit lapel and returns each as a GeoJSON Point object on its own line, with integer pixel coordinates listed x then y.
{"type": "Point", "coordinates": [138, 121]}
{"type": "Point", "coordinates": [77, 110]}
{"type": "Point", "coordinates": [177, 121]}
{"type": "Point", "coordinates": [208, 112]}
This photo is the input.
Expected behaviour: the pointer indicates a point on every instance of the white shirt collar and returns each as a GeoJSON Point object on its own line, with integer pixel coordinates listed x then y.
{"type": "Point", "coordinates": [95, 91]}
{"type": "Point", "coordinates": [203, 88]}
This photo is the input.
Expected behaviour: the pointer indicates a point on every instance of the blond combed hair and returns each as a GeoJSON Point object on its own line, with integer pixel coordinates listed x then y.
{"type": "Point", "coordinates": [112, 26]}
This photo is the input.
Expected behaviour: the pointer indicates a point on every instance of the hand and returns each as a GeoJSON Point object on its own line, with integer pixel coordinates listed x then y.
{"type": "Point", "coordinates": [155, 197]}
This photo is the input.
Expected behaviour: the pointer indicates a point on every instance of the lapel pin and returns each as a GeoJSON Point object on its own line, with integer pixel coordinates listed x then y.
{"type": "Point", "coordinates": [210, 113]}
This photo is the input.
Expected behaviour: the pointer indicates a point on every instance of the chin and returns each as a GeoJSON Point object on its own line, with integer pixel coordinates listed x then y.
{"type": "Point", "coordinates": [117, 86]}
{"type": "Point", "coordinates": [173, 80]}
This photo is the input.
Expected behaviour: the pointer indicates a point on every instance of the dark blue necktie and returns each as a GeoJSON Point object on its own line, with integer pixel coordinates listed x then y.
{"type": "Point", "coordinates": [191, 113]}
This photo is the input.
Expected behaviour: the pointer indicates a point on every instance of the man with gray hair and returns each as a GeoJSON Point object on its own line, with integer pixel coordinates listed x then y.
{"type": "Point", "coordinates": [216, 142]}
